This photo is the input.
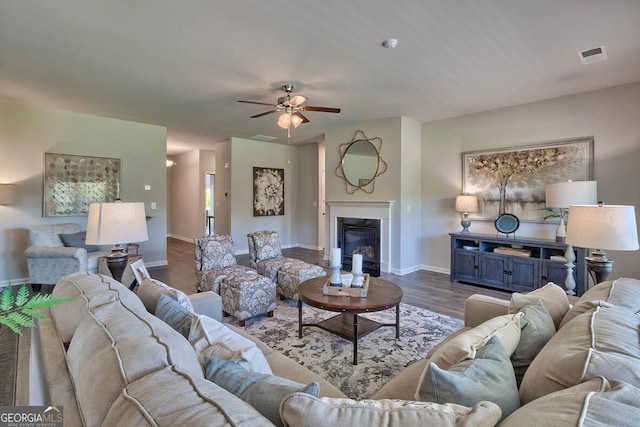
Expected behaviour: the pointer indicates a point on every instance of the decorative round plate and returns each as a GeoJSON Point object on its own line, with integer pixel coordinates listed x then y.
{"type": "Point", "coordinates": [507, 223]}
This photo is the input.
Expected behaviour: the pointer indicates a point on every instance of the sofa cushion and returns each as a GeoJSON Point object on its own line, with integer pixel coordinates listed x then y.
{"type": "Point", "coordinates": [88, 291]}
{"type": "Point", "coordinates": [175, 315]}
{"type": "Point", "coordinates": [487, 377]}
{"type": "Point", "coordinates": [553, 297]}
{"type": "Point", "coordinates": [602, 342]}
{"type": "Point", "coordinates": [537, 328]}
{"type": "Point", "coordinates": [596, 402]}
{"type": "Point", "coordinates": [77, 240]}
{"type": "Point", "coordinates": [622, 293]}
{"type": "Point", "coordinates": [464, 345]}
{"type": "Point", "coordinates": [263, 392]}
{"type": "Point", "coordinates": [152, 401]}
{"type": "Point", "coordinates": [211, 338]}
{"type": "Point", "coordinates": [114, 346]}
{"type": "Point", "coordinates": [150, 290]}
{"type": "Point", "coordinates": [301, 409]}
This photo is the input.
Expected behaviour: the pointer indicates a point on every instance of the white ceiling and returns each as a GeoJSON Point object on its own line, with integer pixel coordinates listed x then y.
{"type": "Point", "coordinates": [184, 64]}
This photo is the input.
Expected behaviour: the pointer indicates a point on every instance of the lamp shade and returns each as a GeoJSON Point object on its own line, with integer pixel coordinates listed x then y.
{"type": "Point", "coordinates": [606, 227]}
{"type": "Point", "coordinates": [7, 194]}
{"type": "Point", "coordinates": [116, 223]}
{"type": "Point", "coordinates": [466, 203]}
{"type": "Point", "coordinates": [565, 194]}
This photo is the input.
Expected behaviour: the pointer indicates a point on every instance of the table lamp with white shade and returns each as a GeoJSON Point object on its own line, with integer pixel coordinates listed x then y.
{"type": "Point", "coordinates": [114, 224]}
{"type": "Point", "coordinates": [602, 227]}
{"type": "Point", "coordinates": [466, 204]}
{"type": "Point", "coordinates": [561, 195]}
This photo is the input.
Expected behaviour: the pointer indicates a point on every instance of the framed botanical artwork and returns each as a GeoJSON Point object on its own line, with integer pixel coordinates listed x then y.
{"type": "Point", "coordinates": [268, 191]}
{"type": "Point", "coordinates": [512, 180]}
{"type": "Point", "coordinates": [72, 182]}
{"type": "Point", "coordinates": [140, 271]}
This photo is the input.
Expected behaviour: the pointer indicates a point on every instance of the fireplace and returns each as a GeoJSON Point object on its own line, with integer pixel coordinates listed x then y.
{"type": "Point", "coordinates": [360, 236]}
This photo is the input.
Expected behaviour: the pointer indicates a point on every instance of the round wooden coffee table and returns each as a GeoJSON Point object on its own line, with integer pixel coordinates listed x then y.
{"type": "Point", "coordinates": [381, 295]}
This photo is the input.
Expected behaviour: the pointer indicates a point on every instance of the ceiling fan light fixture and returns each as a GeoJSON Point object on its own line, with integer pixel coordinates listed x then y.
{"type": "Point", "coordinates": [284, 120]}
{"type": "Point", "coordinates": [296, 121]}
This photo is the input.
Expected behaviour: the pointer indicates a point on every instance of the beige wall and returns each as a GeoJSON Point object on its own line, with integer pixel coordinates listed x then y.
{"type": "Point", "coordinates": [26, 133]}
{"type": "Point", "coordinates": [307, 197]}
{"type": "Point", "coordinates": [611, 116]}
{"type": "Point", "coordinates": [187, 220]}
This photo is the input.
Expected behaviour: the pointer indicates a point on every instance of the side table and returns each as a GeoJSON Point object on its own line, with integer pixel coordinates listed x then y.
{"type": "Point", "coordinates": [128, 279]}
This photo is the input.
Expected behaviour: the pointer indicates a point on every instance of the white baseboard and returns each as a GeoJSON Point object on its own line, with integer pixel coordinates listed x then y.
{"type": "Point", "coordinates": [5, 283]}
{"type": "Point", "coordinates": [312, 247]}
{"type": "Point", "coordinates": [184, 239]}
{"type": "Point", "coordinates": [160, 263]}
{"type": "Point", "coordinates": [420, 267]}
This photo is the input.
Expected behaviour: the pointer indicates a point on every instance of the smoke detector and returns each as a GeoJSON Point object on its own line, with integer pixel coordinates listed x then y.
{"type": "Point", "coordinates": [390, 43]}
{"type": "Point", "coordinates": [593, 55]}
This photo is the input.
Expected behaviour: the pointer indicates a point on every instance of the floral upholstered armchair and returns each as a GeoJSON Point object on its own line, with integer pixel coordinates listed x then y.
{"type": "Point", "coordinates": [265, 253]}
{"type": "Point", "coordinates": [216, 261]}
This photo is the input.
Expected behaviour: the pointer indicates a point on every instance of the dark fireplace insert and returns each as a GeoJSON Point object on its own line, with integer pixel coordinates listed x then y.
{"type": "Point", "coordinates": [360, 236]}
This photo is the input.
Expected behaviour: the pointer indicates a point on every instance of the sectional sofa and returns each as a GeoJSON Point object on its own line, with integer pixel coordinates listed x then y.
{"type": "Point", "coordinates": [109, 360]}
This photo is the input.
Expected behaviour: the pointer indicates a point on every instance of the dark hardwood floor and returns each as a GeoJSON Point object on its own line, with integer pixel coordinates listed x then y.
{"type": "Point", "coordinates": [424, 289]}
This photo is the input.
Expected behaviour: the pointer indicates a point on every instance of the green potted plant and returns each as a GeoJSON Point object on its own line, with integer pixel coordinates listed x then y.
{"type": "Point", "coordinates": [22, 310]}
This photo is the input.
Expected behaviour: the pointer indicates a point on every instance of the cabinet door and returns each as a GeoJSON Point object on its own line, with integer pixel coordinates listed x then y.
{"type": "Point", "coordinates": [493, 270]}
{"type": "Point", "coordinates": [465, 265]}
{"type": "Point", "coordinates": [523, 273]}
{"type": "Point", "coordinates": [555, 272]}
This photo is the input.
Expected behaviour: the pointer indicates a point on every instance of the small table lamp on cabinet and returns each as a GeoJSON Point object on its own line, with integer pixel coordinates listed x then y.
{"type": "Point", "coordinates": [604, 227]}
{"type": "Point", "coordinates": [114, 224]}
{"type": "Point", "coordinates": [466, 204]}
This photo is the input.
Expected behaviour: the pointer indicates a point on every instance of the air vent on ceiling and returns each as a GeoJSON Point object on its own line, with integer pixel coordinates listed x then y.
{"type": "Point", "coordinates": [264, 138]}
{"type": "Point", "coordinates": [592, 55]}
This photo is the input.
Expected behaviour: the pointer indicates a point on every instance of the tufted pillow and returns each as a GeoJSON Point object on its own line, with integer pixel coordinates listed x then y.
{"type": "Point", "coordinates": [150, 290]}
{"type": "Point", "coordinates": [301, 409]}
{"type": "Point", "coordinates": [464, 345]}
{"type": "Point", "coordinates": [553, 297]}
{"type": "Point", "coordinates": [536, 328]}
{"type": "Point", "coordinates": [263, 392]}
{"type": "Point", "coordinates": [602, 342]}
{"type": "Point", "coordinates": [211, 338]}
{"type": "Point", "coordinates": [596, 402]}
{"type": "Point", "coordinates": [487, 377]}
{"type": "Point", "coordinates": [266, 245]}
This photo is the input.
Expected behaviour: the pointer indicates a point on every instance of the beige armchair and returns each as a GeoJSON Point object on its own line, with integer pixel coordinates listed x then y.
{"type": "Point", "coordinates": [48, 259]}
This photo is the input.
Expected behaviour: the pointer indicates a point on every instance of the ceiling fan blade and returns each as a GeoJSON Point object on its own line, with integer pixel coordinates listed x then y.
{"type": "Point", "coordinates": [259, 103]}
{"type": "Point", "coordinates": [262, 114]}
{"type": "Point", "coordinates": [299, 114]}
{"type": "Point", "coordinates": [297, 100]}
{"type": "Point", "coordinates": [323, 109]}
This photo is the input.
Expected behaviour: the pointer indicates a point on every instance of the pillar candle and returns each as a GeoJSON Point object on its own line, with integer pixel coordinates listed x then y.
{"type": "Point", "coordinates": [336, 257]}
{"type": "Point", "coordinates": [357, 264]}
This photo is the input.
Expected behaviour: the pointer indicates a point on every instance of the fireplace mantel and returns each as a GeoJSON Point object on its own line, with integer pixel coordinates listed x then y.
{"type": "Point", "coordinates": [364, 209]}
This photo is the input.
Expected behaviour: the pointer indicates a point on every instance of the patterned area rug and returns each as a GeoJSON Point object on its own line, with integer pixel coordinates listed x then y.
{"type": "Point", "coordinates": [380, 355]}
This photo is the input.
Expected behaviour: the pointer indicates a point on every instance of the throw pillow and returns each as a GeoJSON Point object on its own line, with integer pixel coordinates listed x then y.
{"type": "Point", "coordinates": [553, 297]}
{"type": "Point", "coordinates": [465, 345]}
{"type": "Point", "coordinates": [536, 329]}
{"type": "Point", "coordinates": [211, 338]}
{"type": "Point", "coordinates": [487, 377]}
{"type": "Point", "coordinates": [175, 315]}
{"type": "Point", "coordinates": [77, 240]}
{"type": "Point", "coordinates": [149, 292]}
{"type": "Point", "coordinates": [263, 392]}
{"type": "Point", "coordinates": [300, 409]}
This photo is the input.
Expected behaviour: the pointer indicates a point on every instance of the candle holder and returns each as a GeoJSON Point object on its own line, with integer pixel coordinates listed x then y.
{"type": "Point", "coordinates": [358, 280]}
{"type": "Point", "coordinates": [336, 277]}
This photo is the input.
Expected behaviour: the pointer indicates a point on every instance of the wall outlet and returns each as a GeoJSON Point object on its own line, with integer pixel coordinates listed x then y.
{"type": "Point", "coordinates": [153, 205]}
{"type": "Point", "coordinates": [147, 187]}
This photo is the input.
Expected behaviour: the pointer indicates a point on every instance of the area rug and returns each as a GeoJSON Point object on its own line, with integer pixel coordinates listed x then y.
{"type": "Point", "coordinates": [380, 355]}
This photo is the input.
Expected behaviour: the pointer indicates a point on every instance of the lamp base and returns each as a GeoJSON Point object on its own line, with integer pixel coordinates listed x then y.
{"type": "Point", "coordinates": [117, 263]}
{"type": "Point", "coordinates": [598, 266]}
{"type": "Point", "coordinates": [465, 223]}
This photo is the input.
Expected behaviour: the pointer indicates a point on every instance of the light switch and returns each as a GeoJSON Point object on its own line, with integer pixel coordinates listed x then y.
{"type": "Point", "coordinates": [153, 205]}
{"type": "Point", "coordinates": [147, 187]}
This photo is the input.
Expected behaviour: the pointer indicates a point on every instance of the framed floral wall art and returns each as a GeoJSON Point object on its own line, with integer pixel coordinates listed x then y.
{"type": "Point", "coordinates": [512, 180]}
{"type": "Point", "coordinates": [268, 191]}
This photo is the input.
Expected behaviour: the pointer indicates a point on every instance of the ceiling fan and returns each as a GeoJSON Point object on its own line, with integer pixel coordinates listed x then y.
{"type": "Point", "coordinates": [291, 109]}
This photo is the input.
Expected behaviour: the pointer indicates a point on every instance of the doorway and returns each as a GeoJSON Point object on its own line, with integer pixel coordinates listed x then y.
{"type": "Point", "coordinates": [209, 197]}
